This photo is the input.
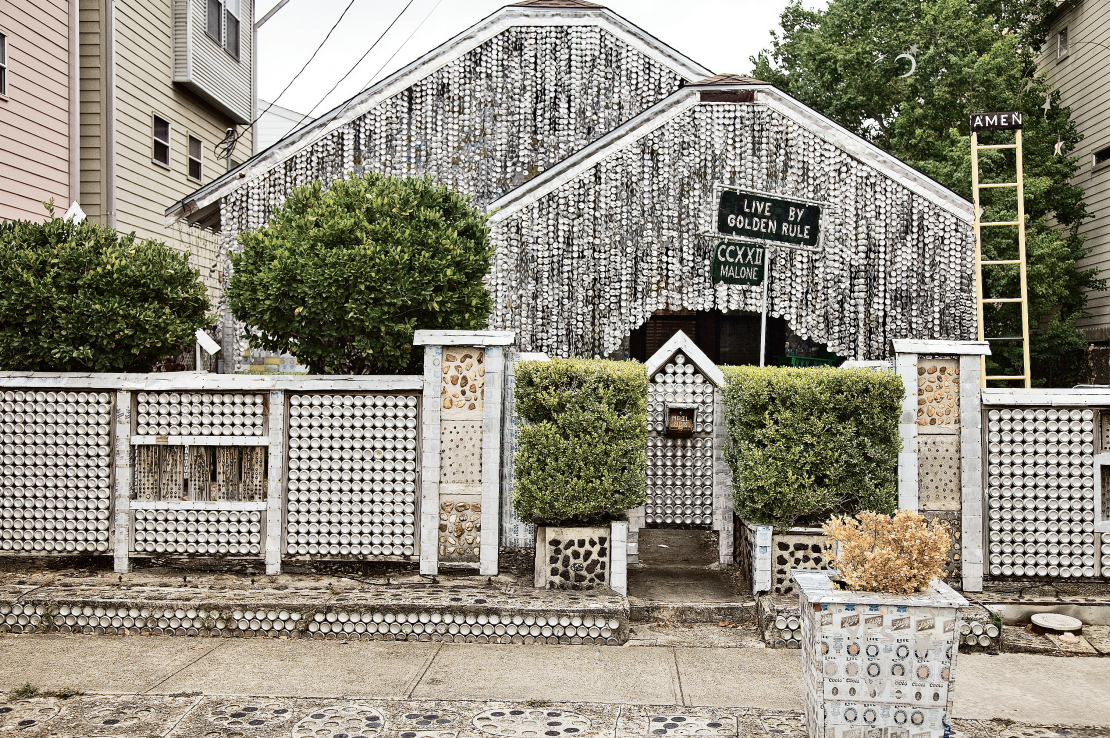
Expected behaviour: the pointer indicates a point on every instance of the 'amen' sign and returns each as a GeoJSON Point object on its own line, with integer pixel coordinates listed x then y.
{"type": "Point", "coordinates": [996, 121]}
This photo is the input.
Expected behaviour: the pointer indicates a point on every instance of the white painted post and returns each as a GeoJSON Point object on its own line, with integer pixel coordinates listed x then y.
{"type": "Point", "coordinates": [971, 473]}
{"type": "Point", "coordinates": [618, 557]}
{"type": "Point", "coordinates": [906, 366]}
{"type": "Point", "coordinates": [121, 455]}
{"type": "Point", "coordinates": [491, 461]}
{"type": "Point", "coordinates": [429, 461]}
{"type": "Point", "coordinates": [275, 488]}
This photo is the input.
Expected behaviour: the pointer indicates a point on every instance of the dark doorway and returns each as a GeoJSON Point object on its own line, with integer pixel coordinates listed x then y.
{"type": "Point", "coordinates": [731, 340]}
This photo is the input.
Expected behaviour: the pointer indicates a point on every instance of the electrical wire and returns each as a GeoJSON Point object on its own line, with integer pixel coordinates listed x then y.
{"type": "Point", "coordinates": [352, 69]}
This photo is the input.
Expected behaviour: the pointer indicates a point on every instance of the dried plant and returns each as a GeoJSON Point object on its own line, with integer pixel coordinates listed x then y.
{"type": "Point", "coordinates": [877, 553]}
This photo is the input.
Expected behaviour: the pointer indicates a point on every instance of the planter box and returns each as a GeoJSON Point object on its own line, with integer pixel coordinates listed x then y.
{"type": "Point", "coordinates": [769, 557]}
{"type": "Point", "coordinates": [582, 557]}
{"type": "Point", "coordinates": [877, 662]}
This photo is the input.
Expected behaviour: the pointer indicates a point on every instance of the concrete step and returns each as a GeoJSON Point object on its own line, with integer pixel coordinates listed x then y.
{"type": "Point", "coordinates": [678, 547]}
{"type": "Point", "coordinates": [687, 594]}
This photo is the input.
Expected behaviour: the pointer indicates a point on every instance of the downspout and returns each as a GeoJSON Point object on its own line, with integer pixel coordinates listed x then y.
{"type": "Point", "coordinates": [74, 101]}
{"type": "Point", "coordinates": [110, 113]}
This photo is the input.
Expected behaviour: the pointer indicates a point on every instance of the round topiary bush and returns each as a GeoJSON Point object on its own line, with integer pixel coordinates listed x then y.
{"type": "Point", "coordinates": [583, 452]}
{"type": "Point", "coordinates": [81, 297]}
{"type": "Point", "coordinates": [341, 278]}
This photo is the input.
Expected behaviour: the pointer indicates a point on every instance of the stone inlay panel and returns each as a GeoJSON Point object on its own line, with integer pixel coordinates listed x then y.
{"type": "Point", "coordinates": [691, 725]}
{"type": "Point", "coordinates": [577, 558]}
{"type": "Point", "coordinates": [938, 464]}
{"type": "Point", "coordinates": [352, 721]}
{"type": "Point", "coordinates": [795, 551]}
{"type": "Point", "coordinates": [525, 723]}
{"type": "Point", "coordinates": [938, 396]}
{"type": "Point", "coordinates": [464, 379]}
{"type": "Point", "coordinates": [249, 714]}
{"type": "Point", "coordinates": [433, 724]}
{"type": "Point", "coordinates": [460, 531]}
{"type": "Point", "coordinates": [461, 452]}
{"type": "Point", "coordinates": [24, 715]}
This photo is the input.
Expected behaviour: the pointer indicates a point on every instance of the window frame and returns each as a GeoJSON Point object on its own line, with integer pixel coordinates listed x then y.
{"type": "Point", "coordinates": [1062, 47]}
{"type": "Point", "coordinates": [227, 14]}
{"type": "Point", "coordinates": [155, 141]}
{"type": "Point", "coordinates": [1097, 165]}
{"type": "Point", "coordinates": [3, 65]}
{"type": "Point", "coordinates": [219, 37]}
{"type": "Point", "coordinates": [189, 158]}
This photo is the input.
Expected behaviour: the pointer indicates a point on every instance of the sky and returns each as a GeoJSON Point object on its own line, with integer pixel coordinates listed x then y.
{"type": "Point", "coordinates": [719, 34]}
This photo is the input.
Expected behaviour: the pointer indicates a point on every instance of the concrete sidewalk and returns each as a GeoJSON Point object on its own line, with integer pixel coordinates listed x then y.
{"type": "Point", "coordinates": [1026, 688]}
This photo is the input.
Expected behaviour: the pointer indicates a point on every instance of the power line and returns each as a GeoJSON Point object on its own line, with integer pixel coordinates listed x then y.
{"type": "Point", "coordinates": [349, 71]}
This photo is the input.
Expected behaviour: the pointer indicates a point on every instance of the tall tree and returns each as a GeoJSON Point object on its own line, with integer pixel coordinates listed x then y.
{"type": "Point", "coordinates": [849, 62]}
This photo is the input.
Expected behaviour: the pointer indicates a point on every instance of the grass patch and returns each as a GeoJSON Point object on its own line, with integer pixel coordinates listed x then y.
{"type": "Point", "coordinates": [28, 690]}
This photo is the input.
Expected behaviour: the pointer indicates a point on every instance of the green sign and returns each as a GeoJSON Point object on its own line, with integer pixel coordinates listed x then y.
{"type": "Point", "coordinates": [738, 263]}
{"type": "Point", "coordinates": [771, 219]}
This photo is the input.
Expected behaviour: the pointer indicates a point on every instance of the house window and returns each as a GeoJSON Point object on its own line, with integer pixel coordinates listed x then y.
{"type": "Point", "coordinates": [231, 23]}
{"type": "Point", "coordinates": [161, 141]}
{"type": "Point", "coordinates": [215, 20]}
{"type": "Point", "coordinates": [3, 65]}
{"type": "Point", "coordinates": [196, 158]}
{"type": "Point", "coordinates": [1062, 43]}
{"type": "Point", "coordinates": [1102, 156]}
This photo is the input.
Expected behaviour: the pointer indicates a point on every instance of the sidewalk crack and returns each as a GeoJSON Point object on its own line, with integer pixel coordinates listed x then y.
{"type": "Point", "coordinates": [160, 682]}
{"type": "Point", "coordinates": [420, 677]}
{"type": "Point", "coordinates": [678, 679]}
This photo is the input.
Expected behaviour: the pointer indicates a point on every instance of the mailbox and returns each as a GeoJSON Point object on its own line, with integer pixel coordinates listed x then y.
{"type": "Point", "coordinates": [680, 420]}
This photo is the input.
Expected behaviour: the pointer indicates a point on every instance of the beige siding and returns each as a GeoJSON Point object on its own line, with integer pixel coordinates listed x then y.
{"type": "Point", "coordinates": [34, 117]}
{"type": "Point", "coordinates": [94, 95]}
{"type": "Point", "coordinates": [144, 87]}
{"type": "Point", "coordinates": [1082, 79]}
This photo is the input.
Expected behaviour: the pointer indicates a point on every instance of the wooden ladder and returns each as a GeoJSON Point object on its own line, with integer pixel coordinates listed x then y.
{"type": "Point", "coordinates": [979, 263]}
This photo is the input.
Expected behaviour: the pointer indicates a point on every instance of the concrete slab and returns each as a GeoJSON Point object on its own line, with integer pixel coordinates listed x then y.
{"type": "Point", "coordinates": [1033, 688]}
{"type": "Point", "coordinates": [573, 673]}
{"type": "Point", "coordinates": [306, 668]}
{"type": "Point", "coordinates": [670, 547]}
{"type": "Point", "coordinates": [741, 677]}
{"type": "Point", "coordinates": [106, 665]}
{"type": "Point", "coordinates": [682, 585]}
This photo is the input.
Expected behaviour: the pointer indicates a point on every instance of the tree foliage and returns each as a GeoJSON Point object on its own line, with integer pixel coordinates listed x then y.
{"type": "Point", "coordinates": [341, 278]}
{"type": "Point", "coordinates": [80, 297]}
{"type": "Point", "coordinates": [972, 56]}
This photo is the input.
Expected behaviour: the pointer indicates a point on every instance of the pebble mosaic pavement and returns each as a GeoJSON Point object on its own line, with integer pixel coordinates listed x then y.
{"type": "Point", "coordinates": [132, 716]}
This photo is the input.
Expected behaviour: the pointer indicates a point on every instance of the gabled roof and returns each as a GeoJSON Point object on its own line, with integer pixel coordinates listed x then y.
{"type": "Point", "coordinates": [529, 13]}
{"type": "Point", "coordinates": [681, 342]}
{"type": "Point", "coordinates": [682, 100]}
{"type": "Point", "coordinates": [728, 79]}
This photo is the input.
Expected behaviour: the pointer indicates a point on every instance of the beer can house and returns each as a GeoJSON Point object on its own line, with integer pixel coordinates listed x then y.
{"type": "Point", "coordinates": [635, 194]}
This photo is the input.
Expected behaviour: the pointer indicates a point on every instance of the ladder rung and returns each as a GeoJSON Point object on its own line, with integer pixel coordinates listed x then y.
{"type": "Point", "coordinates": [1002, 299]}
{"type": "Point", "coordinates": [1002, 261]}
{"type": "Point", "coordinates": [1008, 379]}
{"type": "Point", "coordinates": [1000, 223]}
{"type": "Point", "coordinates": [998, 184]}
{"type": "Point", "coordinates": [998, 146]}
{"type": "Point", "coordinates": [1006, 338]}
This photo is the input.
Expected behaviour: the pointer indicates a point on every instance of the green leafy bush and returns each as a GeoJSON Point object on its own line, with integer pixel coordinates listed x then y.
{"type": "Point", "coordinates": [806, 444]}
{"type": "Point", "coordinates": [80, 297]}
{"type": "Point", "coordinates": [341, 278]}
{"type": "Point", "coordinates": [582, 456]}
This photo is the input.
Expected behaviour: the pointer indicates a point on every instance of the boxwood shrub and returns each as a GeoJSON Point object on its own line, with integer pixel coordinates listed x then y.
{"type": "Point", "coordinates": [805, 444]}
{"type": "Point", "coordinates": [582, 457]}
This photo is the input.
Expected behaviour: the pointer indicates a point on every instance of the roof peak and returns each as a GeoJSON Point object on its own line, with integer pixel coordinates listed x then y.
{"type": "Point", "coordinates": [728, 79]}
{"type": "Point", "coordinates": [554, 4]}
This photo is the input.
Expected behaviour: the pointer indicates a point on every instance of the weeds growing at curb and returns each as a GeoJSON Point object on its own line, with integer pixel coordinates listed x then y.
{"type": "Point", "coordinates": [28, 690]}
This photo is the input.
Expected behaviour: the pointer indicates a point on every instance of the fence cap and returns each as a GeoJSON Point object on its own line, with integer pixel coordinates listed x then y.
{"type": "Point", "coordinates": [960, 348]}
{"type": "Point", "coordinates": [681, 342]}
{"type": "Point", "coordinates": [205, 382]}
{"type": "Point", "coordinates": [464, 338]}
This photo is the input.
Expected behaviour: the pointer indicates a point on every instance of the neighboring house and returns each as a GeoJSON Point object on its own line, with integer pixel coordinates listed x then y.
{"type": "Point", "coordinates": [38, 107]}
{"type": "Point", "coordinates": [162, 82]}
{"type": "Point", "coordinates": [274, 124]}
{"type": "Point", "coordinates": [1077, 61]}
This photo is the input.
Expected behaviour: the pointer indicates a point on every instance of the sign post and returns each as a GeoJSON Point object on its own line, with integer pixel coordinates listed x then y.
{"type": "Point", "coordinates": [753, 225]}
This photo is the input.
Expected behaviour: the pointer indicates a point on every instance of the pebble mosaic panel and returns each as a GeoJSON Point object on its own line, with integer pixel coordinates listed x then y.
{"type": "Point", "coordinates": [353, 475]}
{"type": "Point", "coordinates": [198, 532]}
{"type": "Point", "coordinates": [938, 396]}
{"type": "Point", "coordinates": [1040, 492]}
{"type": "Point", "coordinates": [460, 531]}
{"type": "Point", "coordinates": [576, 559]}
{"type": "Point", "coordinates": [249, 714]}
{"type": "Point", "coordinates": [184, 619]}
{"type": "Point", "coordinates": [680, 470]}
{"type": "Point", "coordinates": [461, 452]}
{"type": "Point", "coordinates": [795, 551]}
{"type": "Point", "coordinates": [27, 715]}
{"type": "Point", "coordinates": [200, 414]}
{"type": "Point", "coordinates": [435, 724]}
{"type": "Point", "coordinates": [526, 723]}
{"type": "Point", "coordinates": [691, 725]}
{"type": "Point", "coordinates": [55, 472]}
{"type": "Point", "coordinates": [351, 721]}
{"type": "Point", "coordinates": [578, 285]}
{"type": "Point", "coordinates": [464, 379]}
{"type": "Point", "coordinates": [938, 463]}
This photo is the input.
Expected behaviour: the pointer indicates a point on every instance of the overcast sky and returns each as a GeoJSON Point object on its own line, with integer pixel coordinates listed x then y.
{"type": "Point", "coordinates": [719, 34]}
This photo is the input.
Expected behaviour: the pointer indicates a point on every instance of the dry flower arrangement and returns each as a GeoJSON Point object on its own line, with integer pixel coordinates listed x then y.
{"type": "Point", "coordinates": [877, 553]}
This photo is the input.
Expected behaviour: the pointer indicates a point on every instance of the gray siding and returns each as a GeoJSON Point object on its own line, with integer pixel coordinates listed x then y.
{"type": "Point", "coordinates": [1083, 79]}
{"type": "Point", "coordinates": [201, 63]}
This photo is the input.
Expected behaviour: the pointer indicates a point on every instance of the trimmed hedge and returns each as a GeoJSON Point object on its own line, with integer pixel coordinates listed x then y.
{"type": "Point", "coordinates": [806, 444]}
{"type": "Point", "coordinates": [582, 455]}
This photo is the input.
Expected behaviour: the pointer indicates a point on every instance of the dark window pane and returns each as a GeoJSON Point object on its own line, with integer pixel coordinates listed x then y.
{"type": "Point", "coordinates": [161, 130]}
{"type": "Point", "coordinates": [3, 49]}
{"type": "Point", "coordinates": [194, 147]}
{"type": "Point", "coordinates": [232, 42]}
{"type": "Point", "coordinates": [162, 153]}
{"type": "Point", "coordinates": [194, 168]}
{"type": "Point", "coordinates": [215, 16]}
{"type": "Point", "coordinates": [3, 81]}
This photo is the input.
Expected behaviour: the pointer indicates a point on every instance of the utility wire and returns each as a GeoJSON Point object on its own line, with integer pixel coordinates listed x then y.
{"type": "Point", "coordinates": [349, 71]}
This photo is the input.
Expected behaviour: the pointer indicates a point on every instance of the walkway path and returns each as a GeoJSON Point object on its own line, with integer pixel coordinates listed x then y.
{"type": "Point", "coordinates": [1027, 688]}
